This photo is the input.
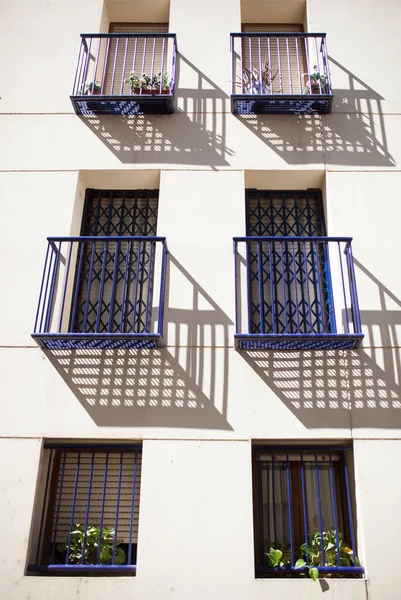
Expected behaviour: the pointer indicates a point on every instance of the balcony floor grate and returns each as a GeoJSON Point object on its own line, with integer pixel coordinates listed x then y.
{"type": "Point", "coordinates": [246, 104]}
{"type": "Point", "coordinates": [161, 104]}
{"type": "Point", "coordinates": [249, 342]}
{"type": "Point", "coordinates": [84, 341]}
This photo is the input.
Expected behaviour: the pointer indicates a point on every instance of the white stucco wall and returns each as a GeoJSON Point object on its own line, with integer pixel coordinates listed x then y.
{"type": "Point", "coordinates": [196, 531]}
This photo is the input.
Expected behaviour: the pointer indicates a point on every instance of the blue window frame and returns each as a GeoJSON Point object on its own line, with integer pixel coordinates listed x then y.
{"type": "Point", "coordinates": [304, 508]}
{"type": "Point", "coordinates": [89, 510]}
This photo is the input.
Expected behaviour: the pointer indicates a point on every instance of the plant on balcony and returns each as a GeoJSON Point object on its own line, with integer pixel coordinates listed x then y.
{"type": "Point", "coordinates": [96, 88]}
{"type": "Point", "coordinates": [257, 82]}
{"type": "Point", "coordinates": [145, 84]}
{"type": "Point", "coordinates": [87, 544]}
{"type": "Point", "coordinates": [314, 552]}
{"type": "Point", "coordinates": [317, 83]}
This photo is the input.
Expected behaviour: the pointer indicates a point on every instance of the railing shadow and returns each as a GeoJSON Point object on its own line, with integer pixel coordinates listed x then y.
{"type": "Point", "coordinates": [353, 135]}
{"type": "Point", "coordinates": [172, 387]}
{"type": "Point", "coordinates": [193, 136]}
{"type": "Point", "coordinates": [343, 389]}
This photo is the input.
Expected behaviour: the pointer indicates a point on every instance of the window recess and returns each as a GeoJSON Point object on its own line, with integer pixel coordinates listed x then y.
{"type": "Point", "coordinates": [89, 510]}
{"type": "Point", "coordinates": [304, 509]}
{"type": "Point", "coordinates": [101, 289]}
{"type": "Point", "coordinates": [299, 283]}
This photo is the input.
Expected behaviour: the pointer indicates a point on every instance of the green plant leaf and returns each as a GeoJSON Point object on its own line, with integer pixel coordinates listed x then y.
{"type": "Point", "coordinates": [300, 563]}
{"type": "Point", "coordinates": [313, 573]}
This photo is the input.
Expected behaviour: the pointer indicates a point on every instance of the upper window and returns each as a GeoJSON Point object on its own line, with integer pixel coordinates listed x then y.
{"type": "Point", "coordinates": [304, 512]}
{"type": "Point", "coordinates": [89, 508]}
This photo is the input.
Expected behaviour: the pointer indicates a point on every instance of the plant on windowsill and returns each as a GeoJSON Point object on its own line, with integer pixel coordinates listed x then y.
{"type": "Point", "coordinates": [87, 544]}
{"type": "Point", "coordinates": [92, 88]}
{"type": "Point", "coordinates": [147, 85]}
{"type": "Point", "coordinates": [256, 81]}
{"type": "Point", "coordinates": [317, 83]}
{"type": "Point", "coordinates": [314, 553]}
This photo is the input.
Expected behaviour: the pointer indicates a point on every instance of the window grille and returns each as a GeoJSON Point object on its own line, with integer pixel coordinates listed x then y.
{"type": "Point", "coordinates": [302, 498]}
{"type": "Point", "coordinates": [87, 487]}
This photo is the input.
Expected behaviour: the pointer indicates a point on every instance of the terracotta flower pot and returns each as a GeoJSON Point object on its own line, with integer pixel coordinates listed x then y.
{"type": "Point", "coordinates": [94, 93]}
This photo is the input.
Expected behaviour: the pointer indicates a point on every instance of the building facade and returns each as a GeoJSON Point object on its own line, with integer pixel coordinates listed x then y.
{"type": "Point", "coordinates": [200, 364]}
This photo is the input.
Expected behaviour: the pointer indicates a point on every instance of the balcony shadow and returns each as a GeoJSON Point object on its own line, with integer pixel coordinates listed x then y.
{"type": "Point", "coordinates": [169, 387]}
{"type": "Point", "coordinates": [353, 135]}
{"type": "Point", "coordinates": [348, 388]}
{"type": "Point", "coordinates": [191, 136]}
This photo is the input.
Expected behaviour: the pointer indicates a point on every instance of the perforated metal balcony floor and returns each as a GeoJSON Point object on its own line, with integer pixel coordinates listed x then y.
{"type": "Point", "coordinates": [323, 341]}
{"type": "Point", "coordinates": [292, 104]}
{"type": "Point", "coordinates": [105, 341]}
{"type": "Point", "coordinates": [147, 104]}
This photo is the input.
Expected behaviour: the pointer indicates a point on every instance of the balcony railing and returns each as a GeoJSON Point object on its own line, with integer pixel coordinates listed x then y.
{"type": "Point", "coordinates": [100, 292]}
{"type": "Point", "coordinates": [125, 74]}
{"type": "Point", "coordinates": [295, 293]}
{"type": "Point", "coordinates": [275, 73]}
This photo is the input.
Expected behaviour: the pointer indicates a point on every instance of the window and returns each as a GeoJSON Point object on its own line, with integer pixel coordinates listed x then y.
{"type": "Point", "coordinates": [289, 281]}
{"type": "Point", "coordinates": [114, 279]}
{"type": "Point", "coordinates": [303, 507]}
{"type": "Point", "coordinates": [89, 509]}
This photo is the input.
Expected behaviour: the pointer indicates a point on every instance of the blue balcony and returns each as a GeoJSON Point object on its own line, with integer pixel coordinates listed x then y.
{"type": "Point", "coordinates": [295, 293]}
{"type": "Point", "coordinates": [102, 292]}
{"type": "Point", "coordinates": [280, 73]}
{"type": "Point", "coordinates": [125, 74]}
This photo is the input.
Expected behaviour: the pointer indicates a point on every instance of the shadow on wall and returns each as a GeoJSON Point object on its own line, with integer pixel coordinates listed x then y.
{"type": "Point", "coordinates": [194, 136]}
{"type": "Point", "coordinates": [354, 135]}
{"type": "Point", "coordinates": [178, 387]}
{"type": "Point", "coordinates": [347, 388]}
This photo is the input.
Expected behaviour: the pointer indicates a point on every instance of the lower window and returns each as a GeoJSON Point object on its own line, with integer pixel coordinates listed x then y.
{"type": "Point", "coordinates": [303, 512]}
{"type": "Point", "coordinates": [88, 514]}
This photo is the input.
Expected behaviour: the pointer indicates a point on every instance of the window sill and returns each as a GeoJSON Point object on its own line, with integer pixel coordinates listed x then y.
{"type": "Point", "coordinates": [100, 570]}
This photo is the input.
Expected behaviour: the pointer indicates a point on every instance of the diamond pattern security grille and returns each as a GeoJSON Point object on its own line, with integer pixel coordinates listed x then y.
{"type": "Point", "coordinates": [115, 279]}
{"type": "Point", "coordinates": [287, 280]}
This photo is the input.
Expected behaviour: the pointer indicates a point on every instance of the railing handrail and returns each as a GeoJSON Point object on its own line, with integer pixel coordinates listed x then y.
{"type": "Point", "coordinates": [107, 238]}
{"type": "Point", "coordinates": [277, 34]}
{"type": "Point", "coordinates": [291, 238]}
{"type": "Point", "coordinates": [128, 35]}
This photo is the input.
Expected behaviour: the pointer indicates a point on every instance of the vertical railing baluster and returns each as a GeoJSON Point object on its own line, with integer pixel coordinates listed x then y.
{"type": "Point", "coordinates": [42, 518]}
{"type": "Point", "coordinates": [117, 506]}
{"type": "Point", "coordinates": [318, 66]}
{"type": "Point", "coordinates": [113, 287]}
{"type": "Point", "coordinates": [261, 515]}
{"type": "Point", "coordinates": [59, 497]}
{"type": "Point", "coordinates": [160, 317]}
{"type": "Point", "coordinates": [283, 287]}
{"type": "Point", "coordinates": [343, 287]}
{"type": "Point", "coordinates": [124, 290]}
{"type": "Point", "coordinates": [132, 510]}
{"type": "Point", "coordinates": [288, 474]}
{"type": "Point", "coordinates": [298, 66]}
{"type": "Point", "coordinates": [294, 270]}
{"type": "Point", "coordinates": [77, 284]}
{"type": "Point", "coordinates": [124, 65]}
{"type": "Point", "coordinates": [334, 507]}
{"type": "Point", "coordinates": [88, 287]}
{"type": "Point", "coordinates": [162, 64]}
{"type": "Point", "coordinates": [326, 64]}
{"type": "Point", "coordinates": [306, 44]}
{"type": "Point", "coordinates": [99, 542]}
{"type": "Point", "coordinates": [101, 286]}
{"type": "Point", "coordinates": [114, 66]}
{"type": "Point", "coordinates": [329, 287]}
{"type": "Point", "coordinates": [274, 499]}
{"type": "Point", "coordinates": [41, 301]}
{"type": "Point", "coordinates": [279, 65]}
{"type": "Point", "coordinates": [134, 59]}
{"type": "Point", "coordinates": [134, 309]}
{"type": "Point", "coordinates": [96, 64]}
{"type": "Point", "coordinates": [149, 291]}
{"type": "Point", "coordinates": [319, 508]}
{"type": "Point", "coordinates": [318, 289]}
{"type": "Point", "coordinates": [272, 288]}
{"type": "Point", "coordinates": [53, 288]}
{"type": "Point", "coordinates": [106, 59]}
{"type": "Point", "coordinates": [85, 73]}
{"type": "Point", "coordinates": [260, 289]}
{"type": "Point", "coordinates": [356, 315]}
{"type": "Point", "coordinates": [307, 289]}
{"type": "Point", "coordinates": [152, 71]}
{"type": "Point", "coordinates": [46, 305]}
{"type": "Point", "coordinates": [304, 506]}
{"type": "Point", "coordinates": [250, 64]}
{"type": "Point", "coordinates": [75, 87]}
{"type": "Point", "coordinates": [74, 499]}
{"type": "Point", "coordinates": [65, 287]}
{"type": "Point", "coordinates": [88, 502]}
{"type": "Point", "coordinates": [270, 64]}
{"type": "Point", "coordinates": [145, 40]}
{"type": "Point", "coordinates": [289, 64]}
{"type": "Point", "coordinates": [260, 69]}
{"type": "Point", "coordinates": [236, 288]}
{"type": "Point", "coordinates": [349, 505]}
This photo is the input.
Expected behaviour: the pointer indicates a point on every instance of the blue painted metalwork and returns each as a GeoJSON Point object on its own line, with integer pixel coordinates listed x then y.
{"type": "Point", "coordinates": [255, 88]}
{"type": "Point", "coordinates": [122, 318]}
{"type": "Point", "coordinates": [105, 91]}
{"type": "Point", "coordinates": [76, 492]}
{"type": "Point", "coordinates": [285, 514]}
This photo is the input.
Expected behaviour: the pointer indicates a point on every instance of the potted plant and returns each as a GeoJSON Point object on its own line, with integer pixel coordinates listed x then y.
{"type": "Point", "coordinates": [86, 545]}
{"type": "Point", "coordinates": [328, 539]}
{"type": "Point", "coordinates": [317, 83]}
{"type": "Point", "coordinates": [92, 88]}
{"type": "Point", "coordinates": [161, 81]}
{"type": "Point", "coordinates": [256, 82]}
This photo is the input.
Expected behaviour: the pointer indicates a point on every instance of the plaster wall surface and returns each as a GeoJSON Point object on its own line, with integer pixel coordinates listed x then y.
{"type": "Point", "coordinates": [198, 403]}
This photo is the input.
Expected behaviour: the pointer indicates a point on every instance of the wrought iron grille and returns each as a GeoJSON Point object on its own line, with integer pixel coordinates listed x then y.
{"type": "Point", "coordinates": [89, 509]}
{"type": "Point", "coordinates": [280, 72]}
{"type": "Point", "coordinates": [303, 507]}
